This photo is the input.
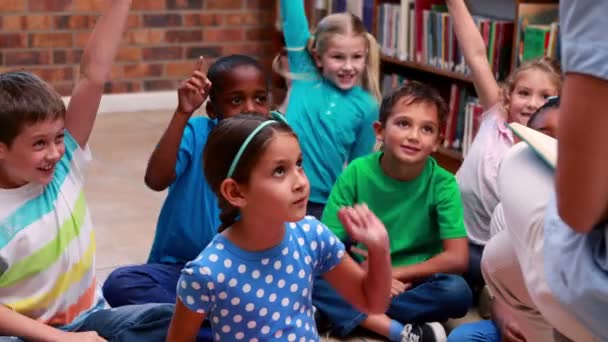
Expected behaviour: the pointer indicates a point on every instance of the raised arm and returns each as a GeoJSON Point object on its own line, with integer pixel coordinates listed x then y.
{"type": "Point", "coordinates": [474, 50]}
{"type": "Point", "coordinates": [368, 290]}
{"type": "Point", "coordinates": [95, 68]}
{"type": "Point", "coordinates": [192, 93]}
{"type": "Point", "coordinates": [295, 23]}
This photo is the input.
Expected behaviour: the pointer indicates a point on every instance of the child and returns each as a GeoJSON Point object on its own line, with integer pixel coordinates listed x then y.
{"type": "Point", "coordinates": [190, 216]}
{"type": "Point", "coordinates": [333, 95]}
{"type": "Point", "coordinates": [48, 289]}
{"type": "Point", "coordinates": [502, 326]}
{"type": "Point", "coordinates": [254, 280]}
{"type": "Point", "coordinates": [419, 203]}
{"type": "Point", "coordinates": [524, 91]}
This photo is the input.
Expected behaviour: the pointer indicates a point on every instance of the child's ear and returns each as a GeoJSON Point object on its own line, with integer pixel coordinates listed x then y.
{"type": "Point", "coordinates": [317, 58]}
{"type": "Point", "coordinates": [231, 191]}
{"type": "Point", "coordinates": [379, 131]}
{"type": "Point", "coordinates": [209, 108]}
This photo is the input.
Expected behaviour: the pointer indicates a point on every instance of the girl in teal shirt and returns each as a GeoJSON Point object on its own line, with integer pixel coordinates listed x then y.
{"type": "Point", "coordinates": [333, 96]}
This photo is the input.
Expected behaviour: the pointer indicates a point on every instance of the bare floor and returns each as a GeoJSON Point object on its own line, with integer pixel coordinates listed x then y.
{"type": "Point", "coordinates": [123, 209]}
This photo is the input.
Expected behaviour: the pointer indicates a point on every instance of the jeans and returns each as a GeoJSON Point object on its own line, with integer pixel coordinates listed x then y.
{"type": "Point", "coordinates": [149, 322]}
{"type": "Point", "coordinates": [147, 283]}
{"type": "Point", "coordinates": [473, 275]}
{"type": "Point", "coordinates": [437, 298]}
{"type": "Point", "coordinates": [481, 331]}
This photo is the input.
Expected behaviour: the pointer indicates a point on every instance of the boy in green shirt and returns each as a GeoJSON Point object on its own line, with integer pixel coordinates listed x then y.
{"type": "Point", "coordinates": [419, 203]}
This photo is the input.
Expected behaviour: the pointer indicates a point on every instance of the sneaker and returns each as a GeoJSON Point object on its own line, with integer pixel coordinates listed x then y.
{"type": "Point", "coordinates": [425, 332]}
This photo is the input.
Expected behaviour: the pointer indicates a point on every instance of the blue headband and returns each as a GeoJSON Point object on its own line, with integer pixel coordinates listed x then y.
{"type": "Point", "coordinates": [276, 118]}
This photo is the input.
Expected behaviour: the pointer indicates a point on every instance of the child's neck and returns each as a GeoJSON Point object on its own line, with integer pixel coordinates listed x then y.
{"type": "Point", "coordinates": [399, 170]}
{"type": "Point", "coordinates": [254, 234]}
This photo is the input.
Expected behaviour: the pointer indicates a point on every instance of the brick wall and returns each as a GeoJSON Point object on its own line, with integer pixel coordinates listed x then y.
{"type": "Point", "coordinates": [163, 39]}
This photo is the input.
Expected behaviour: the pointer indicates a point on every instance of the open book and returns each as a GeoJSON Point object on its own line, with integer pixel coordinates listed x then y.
{"type": "Point", "coordinates": [543, 145]}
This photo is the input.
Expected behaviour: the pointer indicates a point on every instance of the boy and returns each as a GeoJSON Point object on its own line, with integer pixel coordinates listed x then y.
{"type": "Point", "coordinates": [189, 217]}
{"type": "Point", "coordinates": [47, 248]}
{"type": "Point", "coordinates": [419, 203]}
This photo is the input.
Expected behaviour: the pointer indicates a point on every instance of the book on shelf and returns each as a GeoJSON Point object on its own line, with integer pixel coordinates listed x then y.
{"type": "Point", "coordinates": [423, 32]}
{"type": "Point", "coordinates": [537, 32]}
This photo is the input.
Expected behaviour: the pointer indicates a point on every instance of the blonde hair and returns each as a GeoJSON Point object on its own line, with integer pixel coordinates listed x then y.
{"type": "Point", "coordinates": [545, 64]}
{"type": "Point", "coordinates": [346, 24]}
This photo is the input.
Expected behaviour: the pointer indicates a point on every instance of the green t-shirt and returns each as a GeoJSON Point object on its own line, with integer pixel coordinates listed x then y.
{"type": "Point", "coordinates": [418, 214]}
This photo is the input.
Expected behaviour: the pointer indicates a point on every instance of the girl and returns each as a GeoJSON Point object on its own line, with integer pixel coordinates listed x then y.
{"type": "Point", "coordinates": [254, 280]}
{"type": "Point", "coordinates": [333, 95]}
{"type": "Point", "coordinates": [523, 92]}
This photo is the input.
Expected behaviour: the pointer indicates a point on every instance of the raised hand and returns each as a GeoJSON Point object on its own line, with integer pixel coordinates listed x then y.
{"type": "Point", "coordinates": [193, 92]}
{"type": "Point", "coordinates": [363, 226]}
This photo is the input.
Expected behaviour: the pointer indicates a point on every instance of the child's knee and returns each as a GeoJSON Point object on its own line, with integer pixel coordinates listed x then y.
{"type": "Point", "coordinates": [456, 295]}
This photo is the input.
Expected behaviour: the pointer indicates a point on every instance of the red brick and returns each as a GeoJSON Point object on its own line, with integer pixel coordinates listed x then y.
{"type": "Point", "coordinates": [249, 18]}
{"type": "Point", "coordinates": [145, 37]}
{"type": "Point", "coordinates": [183, 36]}
{"type": "Point", "coordinates": [259, 34]}
{"type": "Point", "coordinates": [129, 54]}
{"type": "Point", "coordinates": [162, 53]}
{"type": "Point", "coordinates": [38, 22]}
{"type": "Point", "coordinates": [54, 74]}
{"type": "Point", "coordinates": [81, 38]}
{"type": "Point", "coordinates": [87, 6]}
{"type": "Point", "coordinates": [247, 49]}
{"type": "Point", "coordinates": [27, 58]}
{"type": "Point", "coordinates": [71, 56]}
{"type": "Point", "coordinates": [181, 69]}
{"type": "Point", "coordinates": [205, 51]}
{"type": "Point", "coordinates": [12, 40]}
{"type": "Point", "coordinates": [133, 21]}
{"type": "Point", "coordinates": [162, 20]}
{"type": "Point", "coordinates": [223, 35]}
{"type": "Point", "coordinates": [11, 6]}
{"type": "Point", "coordinates": [1, 58]}
{"type": "Point", "coordinates": [122, 87]}
{"type": "Point", "coordinates": [147, 5]}
{"type": "Point", "coordinates": [13, 23]}
{"type": "Point", "coordinates": [225, 4]}
{"type": "Point", "coordinates": [206, 19]}
{"type": "Point", "coordinates": [141, 70]}
{"type": "Point", "coordinates": [50, 40]}
{"type": "Point", "coordinates": [75, 22]}
{"type": "Point", "coordinates": [50, 5]}
{"type": "Point", "coordinates": [64, 88]}
{"type": "Point", "coordinates": [164, 84]}
{"type": "Point", "coordinates": [260, 4]}
{"type": "Point", "coordinates": [184, 4]}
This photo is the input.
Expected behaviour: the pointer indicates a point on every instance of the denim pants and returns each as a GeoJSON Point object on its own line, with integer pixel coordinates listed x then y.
{"type": "Point", "coordinates": [437, 298]}
{"type": "Point", "coordinates": [149, 323]}
{"type": "Point", "coordinates": [481, 331]}
{"type": "Point", "coordinates": [147, 283]}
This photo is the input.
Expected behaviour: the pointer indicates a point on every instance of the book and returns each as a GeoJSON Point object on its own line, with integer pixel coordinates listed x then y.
{"type": "Point", "coordinates": [543, 145]}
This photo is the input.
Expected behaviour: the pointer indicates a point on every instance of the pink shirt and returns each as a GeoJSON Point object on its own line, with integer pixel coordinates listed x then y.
{"type": "Point", "coordinates": [477, 177]}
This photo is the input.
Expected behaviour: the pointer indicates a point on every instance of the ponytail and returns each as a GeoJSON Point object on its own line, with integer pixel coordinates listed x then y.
{"type": "Point", "coordinates": [371, 78]}
{"type": "Point", "coordinates": [228, 216]}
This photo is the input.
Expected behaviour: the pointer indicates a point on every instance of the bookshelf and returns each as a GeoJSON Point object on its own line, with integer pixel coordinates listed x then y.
{"type": "Point", "coordinates": [445, 70]}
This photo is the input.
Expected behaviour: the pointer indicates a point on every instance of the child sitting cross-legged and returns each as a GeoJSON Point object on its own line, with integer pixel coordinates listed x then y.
{"type": "Point", "coordinates": [419, 203]}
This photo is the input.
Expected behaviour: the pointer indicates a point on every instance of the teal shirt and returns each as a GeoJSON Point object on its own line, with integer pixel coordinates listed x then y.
{"type": "Point", "coordinates": [418, 214]}
{"type": "Point", "coordinates": [334, 126]}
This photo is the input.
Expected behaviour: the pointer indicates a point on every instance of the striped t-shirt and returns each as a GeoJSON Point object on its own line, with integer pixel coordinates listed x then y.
{"type": "Point", "coordinates": [47, 245]}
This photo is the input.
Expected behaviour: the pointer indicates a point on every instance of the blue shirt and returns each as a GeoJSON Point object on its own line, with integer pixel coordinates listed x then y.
{"type": "Point", "coordinates": [264, 295]}
{"type": "Point", "coordinates": [190, 214]}
{"type": "Point", "coordinates": [576, 265]}
{"type": "Point", "coordinates": [334, 126]}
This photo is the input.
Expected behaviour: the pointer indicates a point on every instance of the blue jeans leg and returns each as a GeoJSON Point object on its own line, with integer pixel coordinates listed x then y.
{"type": "Point", "coordinates": [473, 275]}
{"type": "Point", "coordinates": [482, 331]}
{"type": "Point", "coordinates": [437, 299]}
{"type": "Point", "coordinates": [142, 284]}
{"type": "Point", "coordinates": [148, 322]}
{"type": "Point", "coordinates": [343, 318]}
